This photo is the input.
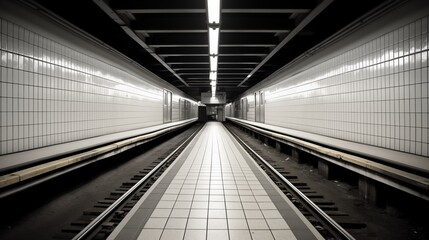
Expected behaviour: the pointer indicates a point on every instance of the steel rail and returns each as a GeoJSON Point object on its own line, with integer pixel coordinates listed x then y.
{"type": "Point", "coordinates": [98, 220]}
{"type": "Point", "coordinates": [403, 178]}
{"type": "Point", "coordinates": [328, 221]}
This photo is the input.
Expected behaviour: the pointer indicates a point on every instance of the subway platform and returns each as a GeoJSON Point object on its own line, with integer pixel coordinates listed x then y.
{"type": "Point", "coordinates": [214, 190]}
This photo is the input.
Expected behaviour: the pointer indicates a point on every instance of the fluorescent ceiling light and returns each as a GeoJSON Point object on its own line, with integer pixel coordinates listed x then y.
{"type": "Point", "coordinates": [213, 63]}
{"type": "Point", "coordinates": [213, 14]}
{"type": "Point", "coordinates": [213, 7]}
{"type": "Point", "coordinates": [213, 68]}
{"type": "Point", "coordinates": [213, 76]}
{"type": "Point", "coordinates": [213, 41]}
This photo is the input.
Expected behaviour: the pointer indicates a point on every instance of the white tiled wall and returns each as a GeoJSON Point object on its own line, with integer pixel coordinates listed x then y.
{"type": "Point", "coordinates": [228, 110]}
{"type": "Point", "coordinates": [51, 93]}
{"type": "Point", "coordinates": [250, 108]}
{"type": "Point", "coordinates": [175, 115]}
{"type": "Point", "coordinates": [375, 92]}
{"type": "Point", "coordinates": [194, 110]}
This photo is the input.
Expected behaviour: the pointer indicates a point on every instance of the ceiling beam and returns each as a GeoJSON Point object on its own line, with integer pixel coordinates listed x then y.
{"type": "Point", "coordinates": [169, 21]}
{"type": "Point", "coordinates": [234, 68]}
{"type": "Point", "coordinates": [187, 60]}
{"type": "Point", "coordinates": [247, 45]}
{"type": "Point", "coordinates": [225, 39]}
{"type": "Point", "coordinates": [194, 73]}
{"type": "Point", "coordinates": [258, 10]}
{"type": "Point", "coordinates": [180, 63]}
{"type": "Point", "coordinates": [222, 78]}
{"type": "Point", "coordinates": [242, 54]}
{"type": "Point", "coordinates": [232, 73]}
{"type": "Point", "coordinates": [254, 30]}
{"type": "Point", "coordinates": [172, 30]}
{"type": "Point", "coordinates": [183, 54]}
{"type": "Point", "coordinates": [238, 59]}
{"type": "Point", "coordinates": [158, 4]}
{"type": "Point", "coordinates": [197, 78]}
{"type": "Point", "coordinates": [232, 63]}
{"type": "Point", "coordinates": [159, 45]}
{"type": "Point", "coordinates": [205, 84]}
{"type": "Point", "coordinates": [195, 10]}
{"type": "Point", "coordinates": [247, 30]}
{"type": "Point", "coordinates": [182, 50]}
{"type": "Point", "coordinates": [159, 11]}
{"type": "Point", "coordinates": [189, 69]}
{"type": "Point", "coordinates": [259, 21]}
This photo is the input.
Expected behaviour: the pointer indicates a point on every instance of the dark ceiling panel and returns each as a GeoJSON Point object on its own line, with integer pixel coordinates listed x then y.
{"type": "Point", "coordinates": [269, 4]}
{"type": "Point", "coordinates": [169, 21]}
{"type": "Point", "coordinates": [158, 4]}
{"type": "Point", "coordinates": [176, 33]}
{"type": "Point", "coordinates": [256, 21]}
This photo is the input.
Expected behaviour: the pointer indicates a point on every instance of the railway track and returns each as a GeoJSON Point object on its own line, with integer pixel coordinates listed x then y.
{"type": "Point", "coordinates": [100, 220]}
{"type": "Point", "coordinates": [320, 212]}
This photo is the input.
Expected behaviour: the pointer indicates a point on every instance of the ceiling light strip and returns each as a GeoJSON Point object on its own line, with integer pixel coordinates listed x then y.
{"type": "Point", "coordinates": [213, 41]}
{"type": "Point", "coordinates": [213, 7]}
{"type": "Point", "coordinates": [213, 20]}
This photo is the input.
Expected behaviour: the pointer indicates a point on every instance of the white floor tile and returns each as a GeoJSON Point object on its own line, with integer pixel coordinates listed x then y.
{"type": "Point", "coordinates": [179, 213]}
{"type": "Point", "coordinates": [217, 234]}
{"type": "Point", "coordinates": [161, 212]}
{"type": "Point", "coordinates": [172, 234]}
{"type": "Point", "coordinates": [155, 223]}
{"type": "Point", "coordinates": [283, 235]}
{"type": "Point", "coordinates": [215, 223]}
{"type": "Point", "coordinates": [199, 198]}
{"type": "Point", "coordinates": [262, 235]}
{"type": "Point", "coordinates": [216, 198]}
{"type": "Point", "coordinates": [235, 213]}
{"type": "Point", "coordinates": [216, 205]}
{"type": "Point", "coordinates": [257, 224]}
{"type": "Point", "coordinates": [183, 204]}
{"type": "Point", "coordinates": [277, 224]}
{"type": "Point", "coordinates": [176, 223]}
{"type": "Point", "coordinates": [198, 213]}
{"type": "Point", "coordinates": [200, 205]}
{"type": "Point", "coordinates": [191, 234]}
{"type": "Point", "coordinates": [150, 234]}
{"type": "Point", "coordinates": [239, 235]}
{"type": "Point", "coordinates": [271, 213]}
{"type": "Point", "coordinates": [196, 223]}
{"type": "Point", "coordinates": [217, 213]}
{"type": "Point", "coordinates": [237, 223]}
{"type": "Point", "coordinates": [252, 214]}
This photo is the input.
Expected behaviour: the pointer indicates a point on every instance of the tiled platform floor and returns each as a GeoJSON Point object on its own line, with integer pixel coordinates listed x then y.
{"type": "Point", "coordinates": [214, 191]}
